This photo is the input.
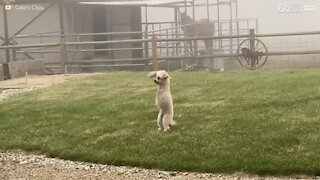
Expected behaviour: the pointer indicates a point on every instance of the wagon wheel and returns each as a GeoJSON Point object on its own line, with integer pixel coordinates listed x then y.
{"type": "Point", "coordinates": [252, 59]}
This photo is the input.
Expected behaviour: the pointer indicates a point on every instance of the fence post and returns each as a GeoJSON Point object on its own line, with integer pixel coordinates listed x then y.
{"type": "Point", "coordinates": [195, 51]}
{"type": "Point", "coordinates": [146, 49]}
{"type": "Point", "coordinates": [14, 50]}
{"type": "Point", "coordinates": [154, 53]}
{"type": "Point", "coordinates": [252, 49]}
{"type": "Point", "coordinates": [62, 54]}
{"type": "Point", "coordinates": [6, 33]}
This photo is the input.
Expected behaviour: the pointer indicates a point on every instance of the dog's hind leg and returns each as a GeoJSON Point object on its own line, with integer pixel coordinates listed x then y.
{"type": "Point", "coordinates": [166, 121]}
{"type": "Point", "coordinates": [159, 121]}
{"type": "Point", "coordinates": [172, 123]}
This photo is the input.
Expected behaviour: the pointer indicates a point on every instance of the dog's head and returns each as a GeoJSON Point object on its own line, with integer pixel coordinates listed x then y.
{"type": "Point", "coordinates": [159, 77]}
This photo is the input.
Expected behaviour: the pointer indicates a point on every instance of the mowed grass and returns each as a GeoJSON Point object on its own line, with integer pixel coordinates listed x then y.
{"type": "Point", "coordinates": [262, 122]}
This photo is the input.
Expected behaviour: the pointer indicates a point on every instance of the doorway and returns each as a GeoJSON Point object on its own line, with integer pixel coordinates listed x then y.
{"type": "Point", "coordinates": [100, 26]}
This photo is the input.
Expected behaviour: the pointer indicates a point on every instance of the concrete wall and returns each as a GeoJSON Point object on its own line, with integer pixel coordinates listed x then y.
{"type": "Point", "coordinates": [33, 67]}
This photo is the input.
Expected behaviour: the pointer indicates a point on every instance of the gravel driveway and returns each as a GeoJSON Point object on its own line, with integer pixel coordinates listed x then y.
{"type": "Point", "coordinates": [22, 165]}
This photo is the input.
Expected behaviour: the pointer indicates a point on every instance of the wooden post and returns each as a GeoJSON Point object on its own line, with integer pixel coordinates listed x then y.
{"type": "Point", "coordinates": [154, 53]}
{"type": "Point", "coordinates": [195, 51]}
{"type": "Point", "coordinates": [26, 79]}
{"type": "Point", "coordinates": [62, 54]}
{"type": "Point", "coordinates": [176, 29]}
{"type": "Point", "coordinates": [62, 38]}
{"type": "Point", "coordinates": [252, 49]}
{"type": "Point", "coordinates": [146, 45]}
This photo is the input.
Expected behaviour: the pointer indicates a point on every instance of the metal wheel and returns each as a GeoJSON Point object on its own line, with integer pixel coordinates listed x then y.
{"type": "Point", "coordinates": [252, 57]}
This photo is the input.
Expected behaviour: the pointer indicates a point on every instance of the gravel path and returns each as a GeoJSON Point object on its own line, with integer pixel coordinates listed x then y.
{"type": "Point", "coordinates": [22, 165]}
{"type": "Point", "coordinates": [6, 93]}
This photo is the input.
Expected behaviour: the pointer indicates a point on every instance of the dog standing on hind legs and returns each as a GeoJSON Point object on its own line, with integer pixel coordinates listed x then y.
{"type": "Point", "coordinates": [163, 99]}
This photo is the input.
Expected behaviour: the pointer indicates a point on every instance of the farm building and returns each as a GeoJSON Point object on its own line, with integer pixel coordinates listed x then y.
{"type": "Point", "coordinates": [60, 21]}
{"type": "Point", "coordinates": [43, 21]}
{"type": "Point", "coordinates": [98, 35]}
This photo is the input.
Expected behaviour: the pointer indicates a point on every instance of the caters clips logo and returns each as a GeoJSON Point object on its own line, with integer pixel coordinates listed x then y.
{"type": "Point", "coordinates": [7, 3]}
{"type": "Point", "coordinates": [10, 5]}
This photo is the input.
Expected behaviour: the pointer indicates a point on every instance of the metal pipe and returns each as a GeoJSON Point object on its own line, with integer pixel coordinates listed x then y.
{"type": "Point", "coordinates": [121, 41]}
{"type": "Point", "coordinates": [6, 33]}
{"type": "Point", "coordinates": [231, 27]}
{"type": "Point", "coordinates": [289, 34]}
{"type": "Point", "coordinates": [208, 10]}
{"type": "Point", "coordinates": [175, 58]}
{"type": "Point", "coordinates": [193, 11]}
{"type": "Point", "coordinates": [106, 65]}
{"type": "Point", "coordinates": [198, 5]}
{"type": "Point", "coordinates": [80, 34]}
{"type": "Point", "coordinates": [238, 26]}
{"type": "Point", "coordinates": [103, 61]}
{"type": "Point", "coordinates": [79, 50]}
{"type": "Point", "coordinates": [257, 25]}
{"type": "Point", "coordinates": [159, 40]}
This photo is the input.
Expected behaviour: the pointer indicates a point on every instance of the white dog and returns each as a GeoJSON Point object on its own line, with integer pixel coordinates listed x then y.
{"type": "Point", "coordinates": [163, 99]}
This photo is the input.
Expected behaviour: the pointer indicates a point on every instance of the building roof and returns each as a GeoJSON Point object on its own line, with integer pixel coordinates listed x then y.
{"type": "Point", "coordinates": [107, 2]}
{"type": "Point", "coordinates": [135, 2]}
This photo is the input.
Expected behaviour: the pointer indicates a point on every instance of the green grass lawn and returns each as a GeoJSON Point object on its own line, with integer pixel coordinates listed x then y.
{"type": "Point", "coordinates": [262, 122]}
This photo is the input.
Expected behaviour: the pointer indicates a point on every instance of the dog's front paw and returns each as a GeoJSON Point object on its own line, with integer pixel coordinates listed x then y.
{"type": "Point", "coordinates": [160, 129]}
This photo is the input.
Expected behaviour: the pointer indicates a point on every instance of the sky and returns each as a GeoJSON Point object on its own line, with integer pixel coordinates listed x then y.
{"type": "Point", "coordinates": [274, 16]}
{"type": "Point", "coordinates": [271, 20]}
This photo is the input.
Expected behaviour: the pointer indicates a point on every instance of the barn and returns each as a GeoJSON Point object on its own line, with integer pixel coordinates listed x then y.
{"type": "Point", "coordinates": [44, 21]}
{"type": "Point", "coordinates": [84, 23]}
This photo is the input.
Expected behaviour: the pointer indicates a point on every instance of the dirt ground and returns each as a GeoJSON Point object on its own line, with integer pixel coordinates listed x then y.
{"type": "Point", "coordinates": [39, 81]}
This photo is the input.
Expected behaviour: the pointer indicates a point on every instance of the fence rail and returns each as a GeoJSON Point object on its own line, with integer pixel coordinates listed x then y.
{"type": "Point", "coordinates": [76, 35]}
{"type": "Point", "coordinates": [159, 40]}
{"type": "Point", "coordinates": [154, 45]}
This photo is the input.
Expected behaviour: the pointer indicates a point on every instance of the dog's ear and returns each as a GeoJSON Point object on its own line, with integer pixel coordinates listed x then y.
{"type": "Point", "coordinates": [152, 74]}
{"type": "Point", "coordinates": [167, 77]}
